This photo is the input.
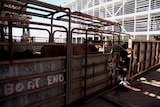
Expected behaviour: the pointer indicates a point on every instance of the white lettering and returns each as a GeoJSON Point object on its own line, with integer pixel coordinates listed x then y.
{"type": "Point", "coordinates": [36, 80]}
{"type": "Point", "coordinates": [55, 79]}
{"type": "Point", "coordinates": [49, 79]}
{"type": "Point", "coordinates": [31, 85]}
{"type": "Point", "coordinates": [19, 87]}
{"type": "Point", "coordinates": [8, 89]}
{"type": "Point", "coordinates": [34, 83]}
{"type": "Point", "coordinates": [61, 78]}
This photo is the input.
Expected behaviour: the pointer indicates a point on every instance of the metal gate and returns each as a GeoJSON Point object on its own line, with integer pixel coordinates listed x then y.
{"type": "Point", "coordinates": [58, 74]}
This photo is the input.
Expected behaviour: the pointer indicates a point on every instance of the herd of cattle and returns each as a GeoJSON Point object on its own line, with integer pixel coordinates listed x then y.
{"type": "Point", "coordinates": [48, 51]}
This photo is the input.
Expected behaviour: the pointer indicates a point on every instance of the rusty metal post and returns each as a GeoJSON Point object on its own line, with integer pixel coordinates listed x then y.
{"type": "Point", "coordinates": [51, 36]}
{"type": "Point", "coordinates": [118, 46]}
{"type": "Point", "coordinates": [86, 62]}
{"type": "Point", "coordinates": [112, 58]}
{"type": "Point", "coordinates": [1, 34]}
{"type": "Point", "coordinates": [69, 62]}
{"type": "Point", "coordinates": [85, 72]}
{"type": "Point", "coordinates": [2, 37]}
{"type": "Point", "coordinates": [10, 41]}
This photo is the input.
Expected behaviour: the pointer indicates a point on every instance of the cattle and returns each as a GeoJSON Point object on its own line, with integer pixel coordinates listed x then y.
{"type": "Point", "coordinates": [53, 50]}
{"type": "Point", "coordinates": [80, 49]}
{"type": "Point", "coordinates": [26, 54]}
{"type": "Point", "coordinates": [4, 55]}
{"type": "Point", "coordinates": [60, 50]}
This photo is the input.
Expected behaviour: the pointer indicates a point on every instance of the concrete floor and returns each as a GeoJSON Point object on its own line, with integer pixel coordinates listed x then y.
{"type": "Point", "coordinates": [145, 92]}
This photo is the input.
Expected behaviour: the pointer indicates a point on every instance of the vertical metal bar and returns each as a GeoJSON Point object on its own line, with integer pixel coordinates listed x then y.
{"type": "Point", "coordinates": [119, 44]}
{"type": "Point", "coordinates": [2, 37]}
{"type": "Point", "coordinates": [149, 19]}
{"type": "Point", "coordinates": [51, 36]}
{"type": "Point", "coordinates": [112, 58]}
{"type": "Point", "coordinates": [10, 31]}
{"type": "Point", "coordinates": [131, 57]}
{"type": "Point", "coordinates": [85, 74]}
{"type": "Point", "coordinates": [10, 41]}
{"type": "Point", "coordinates": [135, 11]}
{"type": "Point", "coordinates": [23, 31]}
{"type": "Point", "coordinates": [1, 34]}
{"type": "Point", "coordinates": [69, 62]}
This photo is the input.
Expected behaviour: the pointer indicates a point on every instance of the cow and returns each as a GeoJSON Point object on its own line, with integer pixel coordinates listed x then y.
{"type": "Point", "coordinates": [60, 50]}
{"type": "Point", "coordinates": [53, 50]}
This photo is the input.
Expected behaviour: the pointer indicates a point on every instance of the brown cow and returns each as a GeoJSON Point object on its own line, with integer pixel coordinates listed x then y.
{"type": "Point", "coordinates": [60, 50]}
{"type": "Point", "coordinates": [80, 49]}
{"type": "Point", "coordinates": [53, 50]}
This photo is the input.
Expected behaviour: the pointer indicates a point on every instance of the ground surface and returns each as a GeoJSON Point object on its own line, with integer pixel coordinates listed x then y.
{"type": "Point", "coordinates": [145, 93]}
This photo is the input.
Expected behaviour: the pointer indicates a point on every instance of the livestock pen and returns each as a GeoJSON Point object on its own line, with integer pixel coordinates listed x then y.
{"type": "Point", "coordinates": [36, 73]}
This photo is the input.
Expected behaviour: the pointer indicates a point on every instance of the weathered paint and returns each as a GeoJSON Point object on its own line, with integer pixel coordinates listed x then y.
{"type": "Point", "coordinates": [12, 87]}
{"type": "Point", "coordinates": [27, 83]}
{"type": "Point", "coordinates": [42, 81]}
{"type": "Point", "coordinates": [146, 55]}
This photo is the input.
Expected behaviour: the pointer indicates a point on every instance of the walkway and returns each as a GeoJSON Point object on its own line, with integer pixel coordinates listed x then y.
{"type": "Point", "coordinates": [145, 93]}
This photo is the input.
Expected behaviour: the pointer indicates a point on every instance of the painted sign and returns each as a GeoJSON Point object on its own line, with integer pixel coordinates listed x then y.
{"type": "Point", "coordinates": [11, 88]}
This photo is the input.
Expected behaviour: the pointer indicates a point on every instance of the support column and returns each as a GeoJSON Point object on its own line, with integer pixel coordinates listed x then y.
{"type": "Point", "coordinates": [135, 11]}
{"type": "Point", "coordinates": [149, 19]}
